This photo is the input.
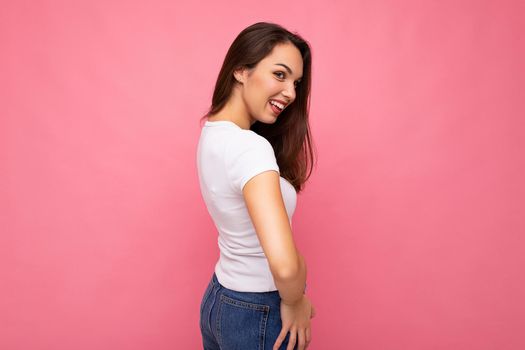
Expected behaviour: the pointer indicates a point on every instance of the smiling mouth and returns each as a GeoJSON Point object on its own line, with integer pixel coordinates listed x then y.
{"type": "Point", "coordinates": [274, 109]}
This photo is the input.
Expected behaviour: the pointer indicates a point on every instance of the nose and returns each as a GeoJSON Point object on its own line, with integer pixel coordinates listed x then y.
{"type": "Point", "coordinates": [289, 92]}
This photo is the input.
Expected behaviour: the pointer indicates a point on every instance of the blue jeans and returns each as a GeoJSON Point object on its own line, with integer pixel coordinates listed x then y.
{"type": "Point", "coordinates": [231, 320]}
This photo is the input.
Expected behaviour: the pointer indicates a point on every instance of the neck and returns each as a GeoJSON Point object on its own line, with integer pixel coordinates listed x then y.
{"type": "Point", "coordinates": [234, 111]}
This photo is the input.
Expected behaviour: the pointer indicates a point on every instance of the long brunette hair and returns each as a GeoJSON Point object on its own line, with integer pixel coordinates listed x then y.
{"type": "Point", "coordinates": [290, 135]}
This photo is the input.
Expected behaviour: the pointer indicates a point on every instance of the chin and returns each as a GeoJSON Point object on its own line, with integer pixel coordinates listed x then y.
{"type": "Point", "coordinates": [266, 120]}
{"type": "Point", "coordinates": [271, 121]}
{"type": "Point", "coordinates": [273, 118]}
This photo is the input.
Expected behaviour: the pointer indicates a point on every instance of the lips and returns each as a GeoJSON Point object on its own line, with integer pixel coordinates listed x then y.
{"type": "Point", "coordinates": [280, 101]}
{"type": "Point", "coordinates": [274, 109]}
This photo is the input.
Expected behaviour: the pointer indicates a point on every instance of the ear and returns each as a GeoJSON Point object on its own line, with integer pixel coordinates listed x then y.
{"type": "Point", "coordinates": [239, 74]}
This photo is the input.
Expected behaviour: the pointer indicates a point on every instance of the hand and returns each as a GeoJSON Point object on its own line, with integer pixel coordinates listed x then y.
{"type": "Point", "coordinates": [296, 320]}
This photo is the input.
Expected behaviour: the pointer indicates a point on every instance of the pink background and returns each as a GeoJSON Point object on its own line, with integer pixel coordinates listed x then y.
{"type": "Point", "coordinates": [412, 224]}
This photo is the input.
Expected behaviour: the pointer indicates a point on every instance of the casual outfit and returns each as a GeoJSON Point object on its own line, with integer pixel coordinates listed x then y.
{"type": "Point", "coordinates": [240, 308]}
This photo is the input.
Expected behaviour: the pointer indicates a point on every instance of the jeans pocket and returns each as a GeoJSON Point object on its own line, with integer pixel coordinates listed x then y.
{"type": "Point", "coordinates": [241, 325]}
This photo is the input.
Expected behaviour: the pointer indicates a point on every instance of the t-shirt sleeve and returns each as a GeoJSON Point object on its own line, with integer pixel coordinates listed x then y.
{"type": "Point", "coordinates": [246, 156]}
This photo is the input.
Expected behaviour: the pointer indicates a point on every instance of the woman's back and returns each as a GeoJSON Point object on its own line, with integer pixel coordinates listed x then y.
{"type": "Point", "coordinates": [227, 157]}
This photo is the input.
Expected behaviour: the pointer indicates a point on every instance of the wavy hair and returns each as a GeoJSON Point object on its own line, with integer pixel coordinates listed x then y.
{"type": "Point", "coordinates": [290, 135]}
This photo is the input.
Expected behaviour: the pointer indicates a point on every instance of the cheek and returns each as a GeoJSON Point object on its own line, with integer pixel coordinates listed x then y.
{"type": "Point", "coordinates": [260, 91]}
{"type": "Point", "coordinates": [272, 85]}
{"type": "Point", "coordinates": [265, 85]}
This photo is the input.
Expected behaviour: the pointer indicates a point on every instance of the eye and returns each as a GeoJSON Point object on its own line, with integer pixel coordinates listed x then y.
{"type": "Point", "coordinates": [278, 73]}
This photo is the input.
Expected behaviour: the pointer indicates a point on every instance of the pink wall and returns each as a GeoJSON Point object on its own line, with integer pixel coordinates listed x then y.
{"type": "Point", "coordinates": [412, 225]}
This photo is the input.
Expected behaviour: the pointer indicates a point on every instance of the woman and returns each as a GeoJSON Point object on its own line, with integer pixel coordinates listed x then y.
{"type": "Point", "coordinates": [256, 130]}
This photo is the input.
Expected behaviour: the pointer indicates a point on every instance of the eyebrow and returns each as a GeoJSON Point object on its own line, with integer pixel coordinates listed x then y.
{"type": "Point", "coordinates": [287, 68]}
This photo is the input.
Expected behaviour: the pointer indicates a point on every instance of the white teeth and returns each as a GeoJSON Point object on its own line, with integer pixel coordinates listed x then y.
{"type": "Point", "coordinates": [277, 104]}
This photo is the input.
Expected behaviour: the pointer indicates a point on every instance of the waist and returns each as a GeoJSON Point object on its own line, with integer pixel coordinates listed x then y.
{"type": "Point", "coordinates": [245, 275]}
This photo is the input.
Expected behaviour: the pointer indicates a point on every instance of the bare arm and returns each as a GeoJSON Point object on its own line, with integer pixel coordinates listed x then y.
{"type": "Point", "coordinates": [264, 201]}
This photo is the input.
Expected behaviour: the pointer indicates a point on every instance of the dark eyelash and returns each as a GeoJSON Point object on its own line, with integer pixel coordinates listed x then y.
{"type": "Point", "coordinates": [295, 83]}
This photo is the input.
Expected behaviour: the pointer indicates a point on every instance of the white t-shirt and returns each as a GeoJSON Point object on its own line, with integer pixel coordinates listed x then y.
{"type": "Point", "coordinates": [227, 157]}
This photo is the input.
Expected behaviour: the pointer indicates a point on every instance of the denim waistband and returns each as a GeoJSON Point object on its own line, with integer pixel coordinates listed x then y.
{"type": "Point", "coordinates": [216, 283]}
{"type": "Point", "coordinates": [214, 279]}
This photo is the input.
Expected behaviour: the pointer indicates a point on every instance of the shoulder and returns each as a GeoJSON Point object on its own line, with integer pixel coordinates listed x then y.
{"type": "Point", "coordinates": [247, 140]}
{"type": "Point", "coordinates": [248, 154]}
{"type": "Point", "coordinates": [249, 136]}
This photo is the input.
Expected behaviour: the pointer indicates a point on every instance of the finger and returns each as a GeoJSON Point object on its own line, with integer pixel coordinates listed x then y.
{"type": "Point", "coordinates": [302, 339]}
{"type": "Point", "coordinates": [308, 334]}
{"type": "Point", "coordinates": [292, 340]}
{"type": "Point", "coordinates": [280, 338]}
{"type": "Point", "coordinates": [313, 312]}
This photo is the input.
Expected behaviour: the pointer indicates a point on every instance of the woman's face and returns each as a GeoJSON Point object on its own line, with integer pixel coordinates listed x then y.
{"type": "Point", "coordinates": [273, 78]}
